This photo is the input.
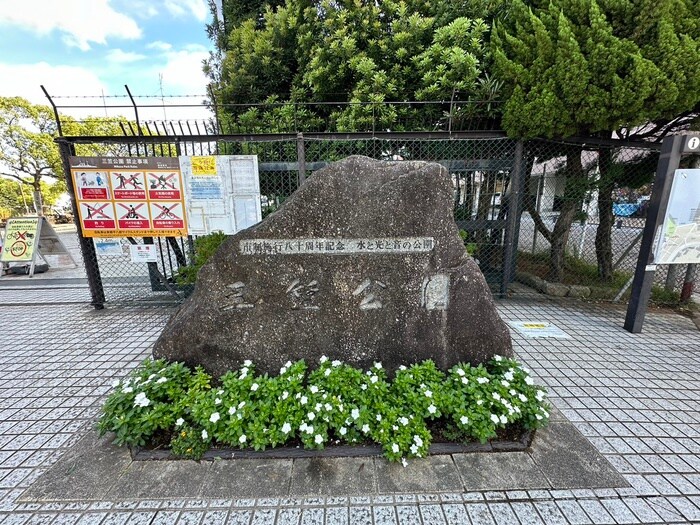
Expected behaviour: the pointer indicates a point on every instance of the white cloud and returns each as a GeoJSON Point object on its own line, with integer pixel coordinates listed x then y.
{"type": "Point", "coordinates": [58, 80]}
{"type": "Point", "coordinates": [182, 73]}
{"type": "Point", "coordinates": [159, 45]}
{"type": "Point", "coordinates": [198, 8]}
{"type": "Point", "coordinates": [80, 22]}
{"type": "Point", "coordinates": [117, 56]}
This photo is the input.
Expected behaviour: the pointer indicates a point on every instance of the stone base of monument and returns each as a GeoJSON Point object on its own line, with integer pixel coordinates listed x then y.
{"type": "Point", "coordinates": [511, 439]}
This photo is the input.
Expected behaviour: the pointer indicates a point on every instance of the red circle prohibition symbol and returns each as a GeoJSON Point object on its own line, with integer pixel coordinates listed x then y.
{"type": "Point", "coordinates": [18, 248]}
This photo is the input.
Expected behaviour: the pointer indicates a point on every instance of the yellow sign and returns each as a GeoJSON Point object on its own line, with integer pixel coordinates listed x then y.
{"type": "Point", "coordinates": [21, 236]}
{"type": "Point", "coordinates": [203, 166]}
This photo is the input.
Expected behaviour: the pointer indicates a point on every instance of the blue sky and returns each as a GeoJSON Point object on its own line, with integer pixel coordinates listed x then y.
{"type": "Point", "coordinates": [93, 47]}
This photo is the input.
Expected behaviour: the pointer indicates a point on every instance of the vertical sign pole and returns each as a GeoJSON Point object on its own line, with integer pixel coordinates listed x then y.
{"type": "Point", "coordinates": [644, 274]}
{"type": "Point", "coordinates": [87, 247]}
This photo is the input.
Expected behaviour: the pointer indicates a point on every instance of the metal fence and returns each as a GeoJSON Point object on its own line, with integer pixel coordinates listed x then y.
{"type": "Point", "coordinates": [513, 201]}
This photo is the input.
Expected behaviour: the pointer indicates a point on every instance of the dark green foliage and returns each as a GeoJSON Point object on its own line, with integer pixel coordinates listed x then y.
{"type": "Point", "coordinates": [204, 247]}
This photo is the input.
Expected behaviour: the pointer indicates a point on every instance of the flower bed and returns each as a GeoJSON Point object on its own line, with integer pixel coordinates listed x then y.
{"type": "Point", "coordinates": [332, 404]}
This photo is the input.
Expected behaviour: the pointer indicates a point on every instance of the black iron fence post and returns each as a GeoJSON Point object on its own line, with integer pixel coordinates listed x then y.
{"type": "Point", "coordinates": [301, 160]}
{"type": "Point", "coordinates": [87, 247]}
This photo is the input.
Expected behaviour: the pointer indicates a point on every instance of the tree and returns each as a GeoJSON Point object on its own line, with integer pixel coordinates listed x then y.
{"type": "Point", "coordinates": [359, 54]}
{"type": "Point", "coordinates": [28, 153]}
{"type": "Point", "coordinates": [592, 68]}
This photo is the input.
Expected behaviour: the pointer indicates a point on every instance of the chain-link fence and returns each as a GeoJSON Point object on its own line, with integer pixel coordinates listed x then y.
{"type": "Point", "coordinates": [565, 212]}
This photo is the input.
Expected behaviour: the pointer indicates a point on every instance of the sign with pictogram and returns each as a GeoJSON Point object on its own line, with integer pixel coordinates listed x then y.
{"type": "Point", "coordinates": [115, 196]}
{"type": "Point", "coordinates": [91, 184]}
{"type": "Point", "coordinates": [128, 185]}
{"type": "Point", "coordinates": [133, 215]}
{"type": "Point", "coordinates": [168, 215]}
{"type": "Point", "coordinates": [97, 215]}
{"type": "Point", "coordinates": [20, 239]}
{"type": "Point", "coordinates": [164, 186]}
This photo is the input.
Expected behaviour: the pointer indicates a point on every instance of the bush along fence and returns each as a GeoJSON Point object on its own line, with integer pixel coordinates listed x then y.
{"type": "Point", "coordinates": [568, 212]}
{"type": "Point", "coordinates": [172, 405]}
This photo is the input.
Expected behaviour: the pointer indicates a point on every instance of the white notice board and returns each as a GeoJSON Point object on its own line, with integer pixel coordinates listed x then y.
{"type": "Point", "coordinates": [222, 193]}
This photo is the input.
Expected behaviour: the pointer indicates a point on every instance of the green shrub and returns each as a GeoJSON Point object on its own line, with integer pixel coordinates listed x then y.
{"type": "Point", "coordinates": [204, 247]}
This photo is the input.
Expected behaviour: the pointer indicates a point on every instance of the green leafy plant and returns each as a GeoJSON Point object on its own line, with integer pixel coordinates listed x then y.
{"type": "Point", "coordinates": [334, 403]}
{"type": "Point", "coordinates": [204, 247]}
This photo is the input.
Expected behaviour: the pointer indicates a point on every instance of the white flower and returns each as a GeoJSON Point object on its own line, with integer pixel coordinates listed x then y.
{"type": "Point", "coordinates": [313, 388]}
{"type": "Point", "coordinates": [504, 420]}
{"type": "Point", "coordinates": [243, 376]}
{"type": "Point", "coordinates": [286, 428]}
{"type": "Point", "coordinates": [379, 417]}
{"type": "Point", "coordinates": [404, 462]}
{"type": "Point", "coordinates": [498, 358]}
{"type": "Point", "coordinates": [482, 380]}
{"type": "Point", "coordinates": [460, 372]}
{"type": "Point", "coordinates": [479, 402]}
{"type": "Point", "coordinates": [285, 394]}
{"type": "Point", "coordinates": [529, 381]}
{"type": "Point", "coordinates": [303, 400]}
{"type": "Point", "coordinates": [414, 449]}
{"type": "Point", "coordinates": [394, 427]}
{"type": "Point", "coordinates": [546, 414]}
{"type": "Point", "coordinates": [205, 435]}
{"type": "Point", "coordinates": [115, 383]}
{"type": "Point", "coordinates": [417, 439]}
{"type": "Point", "coordinates": [323, 359]}
{"type": "Point", "coordinates": [336, 363]}
{"type": "Point", "coordinates": [505, 383]}
{"type": "Point", "coordinates": [378, 366]}
{"type": "Point", "coordinates": [540, 395]}
{"type": "Point", "coordinates": [508, 375]}
{"type": "Point", "coordinates": [318, 407]}
{"type": "Point", "coordinates": [303, 427]}
{"type": "Point", "coordinates": [494, 418]}
{"type": "Point", "coordinates": [127, 390]}
{"type": "Point", "coordinates": [214, 417]}
{"type": "Point", "coordinates": [179, 422]}
{"type": "Point", "coordinates": [309, 429]}
{"type": "Point", "coordinates": [329, 407]}
{"type": "Point", "coordinates": [365, 428]}
{"type": "Point", "coordinates": [242, 439]}
{"type": "Point", "coordinates": [428, 393]}
{"type": "Point", "coordinates": [363, 386]}
{"type": "Point", "coordinates": [496, 396]}
{"type": "Point", "coordinates": [465, 380]}
{"type": "Point", "coordinates": [231, 410]}
{"type": "Point", "coordinates": [512, 392]}
{"type": "Point", "coordinates": [402, 367]}
{"type": "Point", "coordinates": [162, 380]}
{"type": "Point", "coordinates": [254, 387]}
{"type": "Point", "coordinates": [141, 400]}
{"type": "Point", "coordinates": [395, 448]}
{"type": "Point", "coordinates": [311, 416]}
{"type": "Point", "coordinates": [432, 409]}
{"type": "Point", "coordinates": [241, 404]}
{"type": "Point", "coordinates": [151, 377]}
{"type": "Point", "coordinates": [247, 363]}
{"type": "Point", "coordinates": [522, 398]}
{"type": "Point", "coordinates": [539, 417]}
{"type": "Point", "coordinates": [403, 420]}
{"type": "Point", "coordinates": [318, 439]}
{"type": "Point", "coordinates": [327, 372]}
{"type": "Point", "coordinates": [355, 413]}
{"type": "Point", "coordinates": [283, 370]}
{"type": "Point", "coordinates": [217, 401]}
{"type": "Point", "coordinates": [464, 420]}
{"type": "Point", "coordinates": [374, 379]}
{"type": "Point", "coordinates": [343, 431]}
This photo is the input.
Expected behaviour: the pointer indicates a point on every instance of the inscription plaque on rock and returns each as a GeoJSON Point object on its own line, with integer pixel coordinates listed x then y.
{"type": "Point", "coordinates": [363, 263]}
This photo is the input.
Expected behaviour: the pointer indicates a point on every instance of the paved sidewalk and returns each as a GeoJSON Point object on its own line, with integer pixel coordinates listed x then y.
{"type": "Point", "coordinates": [635, 397]}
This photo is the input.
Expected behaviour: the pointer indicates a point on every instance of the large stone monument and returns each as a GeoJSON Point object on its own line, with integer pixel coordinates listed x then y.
{"type": "Point", "coordinates": [363, 263]}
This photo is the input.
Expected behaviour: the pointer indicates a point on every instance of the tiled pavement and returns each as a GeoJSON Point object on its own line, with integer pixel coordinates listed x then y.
{"type": "Point", "coordinates": [636, 398]}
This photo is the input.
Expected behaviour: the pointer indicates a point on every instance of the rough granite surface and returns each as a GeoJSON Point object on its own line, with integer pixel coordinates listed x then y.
{"type": "Point", "coordinates": [363, 263]}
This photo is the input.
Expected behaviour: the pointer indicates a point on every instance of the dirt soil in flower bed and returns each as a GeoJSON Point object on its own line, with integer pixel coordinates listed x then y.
{"type": "Point", "coordinates": [512, 438]}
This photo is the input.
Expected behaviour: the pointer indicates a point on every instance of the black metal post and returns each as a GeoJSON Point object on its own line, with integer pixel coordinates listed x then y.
{"type": "Point", "coordinates": [515, 205]}
{"type": "Point", "coordinates": [55, 111]}
{"type": "Point", "coordinates": [644, 274]}
{"type": "Point", "coordinates": [87, 247]}
{"type": "Point", "coordinates": [301, 159]}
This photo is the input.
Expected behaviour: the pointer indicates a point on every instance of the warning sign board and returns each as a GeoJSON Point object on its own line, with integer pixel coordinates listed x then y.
{"type": "Point", "coordinates": [20, 239]}
{"type": "Point", "coordinates": [116, 196]}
